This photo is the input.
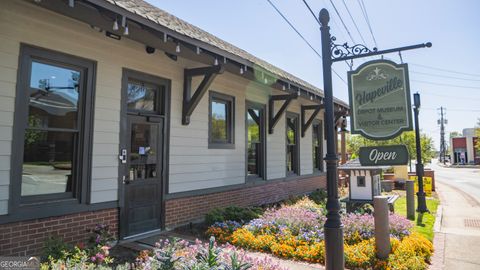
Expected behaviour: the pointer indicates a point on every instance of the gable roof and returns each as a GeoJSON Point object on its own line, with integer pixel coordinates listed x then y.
{"type": "Point", "coordinates": [167, 20]}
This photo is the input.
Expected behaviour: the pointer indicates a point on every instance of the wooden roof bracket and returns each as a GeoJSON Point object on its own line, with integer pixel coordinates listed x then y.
{"type": "Point", "coordinates": [272, 117]}
{"type": "Point", "coordinates": [190, 101]}
{"type": "Point", "coordinates": [316, 109]}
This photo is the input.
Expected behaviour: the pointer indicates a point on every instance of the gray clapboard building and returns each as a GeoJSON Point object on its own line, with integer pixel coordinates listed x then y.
{"type": "Point", "coordinates": [116, 112]}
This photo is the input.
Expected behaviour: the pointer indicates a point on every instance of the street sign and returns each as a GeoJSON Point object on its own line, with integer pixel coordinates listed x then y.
{"type": "Point", "coordinates": [379, 93]}
{"type": "Point", "coordinates": [384, 155]}
{"type": "Point", "coordinates": [427, 184]}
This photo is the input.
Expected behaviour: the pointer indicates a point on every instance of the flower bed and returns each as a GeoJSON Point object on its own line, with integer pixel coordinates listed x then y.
{"type": "Point", "coordinates": [296, 232]}
{"type": "Point", "coordinates": [167, 255]}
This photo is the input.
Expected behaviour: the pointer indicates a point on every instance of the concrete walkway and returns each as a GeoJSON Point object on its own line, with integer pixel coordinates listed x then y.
{"type": "Point", "coordinates": [457, 243]}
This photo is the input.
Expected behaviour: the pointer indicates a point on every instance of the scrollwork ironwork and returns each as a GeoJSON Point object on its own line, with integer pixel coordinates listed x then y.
{"type": "Point", "coordinates": [344, 50]}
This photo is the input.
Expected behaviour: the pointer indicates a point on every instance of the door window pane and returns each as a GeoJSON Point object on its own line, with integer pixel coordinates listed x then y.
{"type": "Point", "coordinates": [53, 96]}
{"type": "Point", "coordinates": [219, 121]}
{"type": "Point", "coordinates": [317, 146]}
{"type": "Point", "coordinates": [254, 144]}
{"type": "Point", "coordinates": [143, 151]}
{"type": "Point", "coordinates": [142, 97]}
{"type": "Point", "coordinates": [48, 160]}
{"type": "Point", "coordinates": [292, 146]}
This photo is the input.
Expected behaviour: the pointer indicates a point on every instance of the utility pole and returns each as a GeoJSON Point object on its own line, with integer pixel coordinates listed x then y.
{"type": "Point", "coordinates": [443, 147]}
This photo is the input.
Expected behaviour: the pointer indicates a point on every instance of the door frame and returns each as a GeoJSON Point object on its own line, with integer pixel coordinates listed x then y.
{"type": "Point", "coordinates": [123, 142]}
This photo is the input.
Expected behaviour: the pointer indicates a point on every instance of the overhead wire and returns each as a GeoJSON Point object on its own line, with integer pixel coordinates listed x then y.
{"type": "Point", "coordinates": [318, 21]}
{"type": "Point", "coordinates": [445, 70]}
{"type": "Point", "coordinates": [446, 84]}
{"type": "Point", "coordinates": [301, 36]}
{"type": "Point", "coordinates": [354, 23]}
{"type": "Point", "coordinates": [343, 23]}
{"type": "Point", "coordinates": [444, 76]}
{"type": "Point", "coordinates": [367, 20]}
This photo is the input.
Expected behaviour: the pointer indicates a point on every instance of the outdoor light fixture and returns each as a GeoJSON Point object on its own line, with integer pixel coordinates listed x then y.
{"type": "Point", "coordinates": [115, 25]}
{"type": "Point", "coordinates": [165, 37]}
{"type": "Point", "coordinates": [71, 3]}
{"type": "Point", "coordinates": [265, 80]}
{"type": "Point", "coordinates": [344, 124]}
{"type": "Point", "coordinates": [283, 87]}
{"type": "Point", "coordinates": [416, 100]}
{"type": "Point", "coordinates": [177, 48]}
{"type": "Point", "coordinates": [311, 97]}
{"type": "Point", "coordinates": [125, 32]}
{"type": "Point", "coordinates": [241, 70]}
{"type": "Point", "coordinates": [171, 56]}
{"type": "Point", "coordinates": [198, 50]}
{"type": "Point", "coordinates": [298, 92]}
{"type": "Point", "coordinates": [124, 21]}
{"type": "Point", "coordinates": [224, 60]}
{"type": "Point", "coordinates": [149, 49]}
{"type": "Point", "coordinates": [112, 35]}
{"type": "Point", "coordinates": [215, 63]}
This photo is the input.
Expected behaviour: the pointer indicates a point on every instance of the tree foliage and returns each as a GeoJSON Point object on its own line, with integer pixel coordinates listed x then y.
{"type": "Point", "coordinates": [406, 138]}
{"type": "Point", "coordinates": [477, 133]}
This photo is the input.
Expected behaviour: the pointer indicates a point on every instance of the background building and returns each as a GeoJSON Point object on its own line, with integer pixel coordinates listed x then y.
{"type": "Point", "coordinates": [463, 148]}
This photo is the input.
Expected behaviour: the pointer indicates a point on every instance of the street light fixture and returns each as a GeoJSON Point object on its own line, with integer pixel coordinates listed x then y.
{"type": "Point", "coordinates": [422, 204]}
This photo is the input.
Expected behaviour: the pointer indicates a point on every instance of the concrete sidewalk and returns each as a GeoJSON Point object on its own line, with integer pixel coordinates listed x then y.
{"type": "Point", "coordinates": [457, 243]}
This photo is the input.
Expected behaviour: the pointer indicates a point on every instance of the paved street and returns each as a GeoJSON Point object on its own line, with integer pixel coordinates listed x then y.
{"type": "Point", "coordinates": [459, 191]}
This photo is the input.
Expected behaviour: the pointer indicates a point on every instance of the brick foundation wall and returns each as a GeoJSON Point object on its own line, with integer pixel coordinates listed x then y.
{"type": "Point", "coordinates": [183, 210]}
{"type": "Point", "coordinates": [26, 238]}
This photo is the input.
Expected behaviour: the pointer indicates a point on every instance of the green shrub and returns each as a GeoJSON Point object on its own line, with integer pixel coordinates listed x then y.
{"type": "Point", "coordinates": [55, 248]}
{"type": "Point", "coordinates": [319, 196]}
{"type": "Point", "coordinates": [232, 213]}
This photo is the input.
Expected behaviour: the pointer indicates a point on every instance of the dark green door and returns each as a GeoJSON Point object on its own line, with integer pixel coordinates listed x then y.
{"type": "Point", "coordinates": [142, 183]}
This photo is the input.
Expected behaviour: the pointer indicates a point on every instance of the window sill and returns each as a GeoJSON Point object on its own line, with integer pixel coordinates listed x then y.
{"type": "Point", "coordinates": [254, 179]}
{"type": "Point", "coordinates": [221, 146]}
{"type": "Point", "coordinates": [52, 209]}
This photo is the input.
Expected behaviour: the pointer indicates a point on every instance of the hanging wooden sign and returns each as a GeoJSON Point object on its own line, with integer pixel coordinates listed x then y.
{"type": "Point", "coordinates": [379, 93]}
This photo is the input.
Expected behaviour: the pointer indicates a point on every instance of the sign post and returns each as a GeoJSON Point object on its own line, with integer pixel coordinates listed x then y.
{"type": "Point", "coordinates": [333, 228]}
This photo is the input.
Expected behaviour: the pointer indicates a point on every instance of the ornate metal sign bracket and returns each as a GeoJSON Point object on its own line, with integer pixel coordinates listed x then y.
{"type": "Point", "coordinates": [344, 52]}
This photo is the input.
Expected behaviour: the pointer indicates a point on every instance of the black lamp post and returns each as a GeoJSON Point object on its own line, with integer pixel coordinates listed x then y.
{"type": "Point", "coordinates": [333, 227]}
{"type": "Point", "coordinates": [422, 204]}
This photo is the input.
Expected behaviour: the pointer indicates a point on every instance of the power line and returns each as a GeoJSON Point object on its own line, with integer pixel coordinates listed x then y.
{"type": "Point", "coordinates": [446, 84]}
{"type": "Point", "coordinates": [344, 25]}
{"type": "Point", "coordinates": [445, 76]}
{"type": "Point", "coordinates": [354, 23]}
{"type": "Point", "coordinates": [367, 20]}
{"type": "Point", "coordinates": [448, 96]}
{"type": "Point", "coordinates": [311, 11]}
{"type": "Point", "coordinates": [446, 70]}
{"type": "Point", "coordinates": [300, 34]}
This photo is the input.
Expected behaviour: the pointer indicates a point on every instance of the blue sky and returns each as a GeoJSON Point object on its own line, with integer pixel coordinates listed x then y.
{"type": "Point", "coordinates": [452, 27]}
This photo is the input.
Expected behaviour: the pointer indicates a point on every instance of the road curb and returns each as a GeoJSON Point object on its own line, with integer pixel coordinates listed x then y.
{"type": "Point", "coordinates": [438, 258]}
{"type": "Point", "coordinates": [438, 219]}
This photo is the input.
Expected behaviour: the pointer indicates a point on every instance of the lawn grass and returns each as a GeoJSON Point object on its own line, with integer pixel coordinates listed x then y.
{"type": "Point", "coordinates": [423, 222]}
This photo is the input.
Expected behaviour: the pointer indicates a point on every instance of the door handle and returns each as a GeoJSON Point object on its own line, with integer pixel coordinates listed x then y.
{"type": "Point", "coordinates": [123, 156]}
{"type": "Point", "coordinates": [126, 181]}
